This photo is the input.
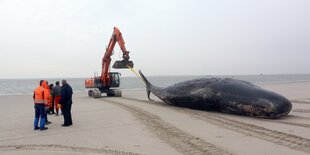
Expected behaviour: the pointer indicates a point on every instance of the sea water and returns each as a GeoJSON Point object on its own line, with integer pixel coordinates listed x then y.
{"type": "Point", "coordinates": [27, 86]}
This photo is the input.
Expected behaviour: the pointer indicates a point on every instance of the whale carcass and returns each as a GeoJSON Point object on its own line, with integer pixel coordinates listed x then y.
{"type": "Point", "coordinates": [223, 94]}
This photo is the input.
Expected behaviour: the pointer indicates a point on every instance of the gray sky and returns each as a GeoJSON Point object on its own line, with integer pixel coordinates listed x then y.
{"type": "Point", "coordinates": [57, 38]}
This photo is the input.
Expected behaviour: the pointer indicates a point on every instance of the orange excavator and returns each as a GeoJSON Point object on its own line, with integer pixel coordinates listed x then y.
{"type": "Point", "coordinates": [108, 80]}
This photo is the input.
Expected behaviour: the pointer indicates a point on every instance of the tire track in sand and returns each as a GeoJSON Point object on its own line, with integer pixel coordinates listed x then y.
{"type": "Point", "coordinates": [277, 137]}
{"type": "Point", "coordinates": [64, 148]}
{"type": "Point", "coordinates": [301, 110]}
{"type": "Point", "coordinates": [300, 101]}
{"type": "Point", "coordinates": [291, 122]}
{"type": "Point", "coordinates": [176, 138]}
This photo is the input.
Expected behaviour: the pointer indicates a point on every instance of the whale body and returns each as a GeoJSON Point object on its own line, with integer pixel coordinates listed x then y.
{"type": "Point", "coordinates": [222, 94]}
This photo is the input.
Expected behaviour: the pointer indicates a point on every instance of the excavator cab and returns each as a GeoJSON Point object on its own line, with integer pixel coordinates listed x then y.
{"type": "Point", "coordinates": [114, 79]}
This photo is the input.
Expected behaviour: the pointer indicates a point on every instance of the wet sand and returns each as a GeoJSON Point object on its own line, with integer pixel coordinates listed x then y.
{"type": "Point", "coordinates": [134, 125]}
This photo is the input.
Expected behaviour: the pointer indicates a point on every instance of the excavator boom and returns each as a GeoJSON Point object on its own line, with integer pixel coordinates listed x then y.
{"type": "Point", "coordinates": [116, 37]}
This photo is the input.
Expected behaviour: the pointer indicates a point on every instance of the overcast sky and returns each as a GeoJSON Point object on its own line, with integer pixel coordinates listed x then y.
{"type": "Point", "coordinates": [57, 38]}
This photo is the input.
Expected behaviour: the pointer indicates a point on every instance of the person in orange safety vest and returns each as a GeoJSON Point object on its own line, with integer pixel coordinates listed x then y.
{"type": "Point", "coordinates": [39, 105]}
{"type": "Point", "coordinates": [48, 100]}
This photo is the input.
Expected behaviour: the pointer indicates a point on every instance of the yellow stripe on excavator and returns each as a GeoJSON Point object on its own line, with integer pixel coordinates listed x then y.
{"type": "Point", "coordinates": [135, 73]}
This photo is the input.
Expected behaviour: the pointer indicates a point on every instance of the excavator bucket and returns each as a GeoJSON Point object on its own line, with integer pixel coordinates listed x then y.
{"type": "Point", "coordinates": [122, 64]}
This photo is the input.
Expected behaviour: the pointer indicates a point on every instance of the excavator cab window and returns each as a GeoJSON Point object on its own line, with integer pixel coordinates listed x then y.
{"type": "Point", "coordinates": [114, 79]}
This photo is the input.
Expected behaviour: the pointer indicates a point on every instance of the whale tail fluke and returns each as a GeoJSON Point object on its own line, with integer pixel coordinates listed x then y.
{"type": "Point", "coordinates": [148, 85]}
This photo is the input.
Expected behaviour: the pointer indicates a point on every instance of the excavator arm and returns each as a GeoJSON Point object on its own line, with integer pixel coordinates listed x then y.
{"type": "Point", "coordinates": [117, 37]}
{"type": "Point", "coordinates": [106, 60]}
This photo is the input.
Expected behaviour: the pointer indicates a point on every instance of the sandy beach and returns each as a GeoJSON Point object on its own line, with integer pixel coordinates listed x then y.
{"type": "Point", "coordinates": [134, 125]}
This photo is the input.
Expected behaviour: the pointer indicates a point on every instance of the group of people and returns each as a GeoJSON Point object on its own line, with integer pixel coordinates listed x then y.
{"type": "Point", "coordinates": [46, 97]}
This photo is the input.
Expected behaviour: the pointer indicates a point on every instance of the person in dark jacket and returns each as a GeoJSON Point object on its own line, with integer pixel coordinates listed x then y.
{"type": "Point", "coordinates": [66, 102]}
{"type": "Point", "coordinates": [57, 94]}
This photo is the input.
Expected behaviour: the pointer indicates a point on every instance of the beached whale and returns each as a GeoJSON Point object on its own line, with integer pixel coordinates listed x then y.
{"type": "Point", "coordinates": [223, 94]}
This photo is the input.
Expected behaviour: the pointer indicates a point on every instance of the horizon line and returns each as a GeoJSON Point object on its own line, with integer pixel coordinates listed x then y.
{"type": "Point", "coordinates": [158, 75]}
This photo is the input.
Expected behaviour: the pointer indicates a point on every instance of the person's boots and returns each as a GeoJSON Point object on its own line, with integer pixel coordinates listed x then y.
{"type": "Point", "coordinates": [42, 124]}
{"type": "Point", "coordinates": [36, 122]}
{"type": "Point", "coordinates": [56, 112]}
{"type": "Point", "coordinates": [47, 122]}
